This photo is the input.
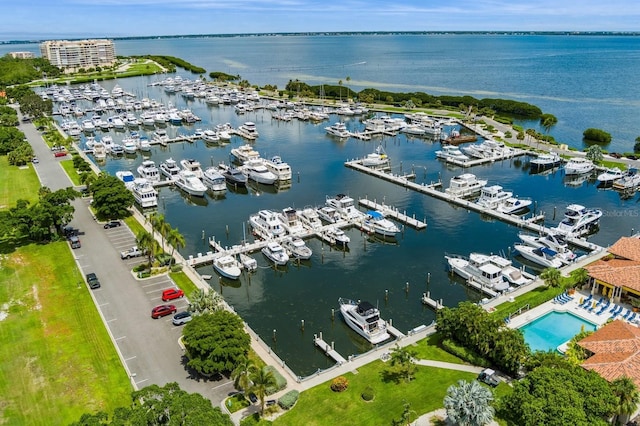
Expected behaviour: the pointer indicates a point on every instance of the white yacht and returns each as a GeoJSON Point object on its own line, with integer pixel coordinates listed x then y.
{"type": "Point", "coordinates": [484, 269]}
{"type": "Point", "coordinates": [88, 126]}
{"type": "Point", "coordinates": [99, 150]}
{"type": "Point", "coordinates": [258, 172]}
{"type": "Point", "coordinates": [309, 218]}
{"type": "Point", "coordinates": [555, 242]}
{"type": "Point", "coordinates": [193, 166]}
{"type": "Point", "coordinates": [143, 144]}
{"type": "Point", "coordinates": [630, 181]}
{"type": "Point", "coordinates": [609, 176]}
{"type": "Point", "coordinates": [514, 205]}
{"type": "Point", "coordinates": [126, 177]}
{"type": "Point", "coordinates": [276, 253]}
{"type": "Point", "coordinates": [149, 171]}
{"type": "Point", "coordinates": [266, 224]}
{"type": "Point", "coordinates": [328, 214]}
{"type": "Point", "coordinates": [578, 166]}
{"type": "Point", "coordinates": [542, 256]}
{"type": "Point", "coordinates": [337, 236]}
{"type": "Point", "coordinates": [144, 193]}
{"type": "Point", "coordinates": [338, 129]}
{"type": "Point", "coordinates": [210, 136]}
{"type": "Point", "coordinates": [345, 206]}
{"type": "Point", "coordinates": [279, 168]}
{"type": "Point", "coordinates": [214, 180]}
{"type": "Point", "coordinates": [451, 152]}
{"type": "Point", "coordinates": [227, 266]}
{"type": "Point", "coordinates": [364, 319]}
{"type": "Point", "coordinates": [244, 153]}
{"type": "Point", "coordinates": [376, 222]}
{"type": "Point", "coordinates": [190, 183]}
{"type": "Point", "coordinates": [129, 145]}
{"type": "Point", "coordinates": [378, 159]}
{"type": "Point", "coordinates": [291, 221]}
{"type": "Point", "coordinates": [545, 161]}
{"type": "Point", "coordinates": [578, 220]}
{"type": "Point", "coordinates": [297, 248]}
{"type": "Point", "coordinates": [465, 185]}
{"type": "Point", "coordinates": [170, 168]}
{"type": "Point", "coordinates": [492, 196]}
{"type": "Point", "coordinates": [248, 130]}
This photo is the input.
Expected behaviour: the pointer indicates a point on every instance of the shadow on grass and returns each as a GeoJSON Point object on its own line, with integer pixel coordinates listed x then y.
{"type": "Point", "coordinates": [389, 375]}
{"type": "Point", "coordinates": [10, 245]}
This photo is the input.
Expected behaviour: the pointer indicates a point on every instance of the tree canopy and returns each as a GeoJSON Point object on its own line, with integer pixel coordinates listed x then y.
{"type": "Point", "coordinates": [167, 405]}
{"type": "Point", "coordinates": [111, 199]}
{"type": "Point", "coordinates": [469, 403]}
{"type": "Point", "coordinates": [20, 71]}
{"type": "Point", "coordinates": [215, 342]}
{"type": "Point", "coordinates": [596, 136]}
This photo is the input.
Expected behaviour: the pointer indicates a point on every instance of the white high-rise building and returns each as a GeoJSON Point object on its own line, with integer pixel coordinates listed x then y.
{"type": "Point", "coordinates": [76, 54]}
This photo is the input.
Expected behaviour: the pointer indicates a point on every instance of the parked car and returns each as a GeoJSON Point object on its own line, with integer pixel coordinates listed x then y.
{"type": "Point", "coordinates": [181, 318]}
{"type": "Point", "coordinates": [75, 242]}
{"type": "Point", "coordinates": [60, 154]}
{"type": "Point", "coordinates": [253, 398]}
{"type": "Point", "coordinates": [163, 311]}
{"type": "Point", "coordinates": [92, 280]}
{"type": "Point", "coordinates": [35, 160]}
{"type": "Point", "coordinates": [132, 252]}
{"type": "Point", "coordinates": [489, 377]}
{"type": "Point", "coordinates": [172, 294]}
{"type": "Point", "coordinates": [112, 224]}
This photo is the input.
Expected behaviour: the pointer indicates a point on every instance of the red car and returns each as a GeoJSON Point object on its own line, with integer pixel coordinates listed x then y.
{"type": "Point", "coordinates": [163, 311]}
{"type": "Point", "coordinates": [171, 294]}
{"type": "Point", "coordinates": [60, 154]}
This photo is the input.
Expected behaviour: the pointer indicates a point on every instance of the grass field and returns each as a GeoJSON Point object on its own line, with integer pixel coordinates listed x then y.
{"type": "Point", "coordinates": [17, 183]}
{"type": "Point", "coordinates": [71, 171]}
{"type": "Point", "coordinates": [321, 406]}
{"type": "Point", "coordinates": [56, 359]}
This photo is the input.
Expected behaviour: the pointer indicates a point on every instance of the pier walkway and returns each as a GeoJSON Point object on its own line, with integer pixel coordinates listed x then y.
{"type": "Point", "coordinates": [394, 213]}
{"type": "Point", "coordinates": [328, 349]}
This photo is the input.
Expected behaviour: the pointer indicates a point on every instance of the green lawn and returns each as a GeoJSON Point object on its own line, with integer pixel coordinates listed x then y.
{"type": "Point", "coordinates": [56, 359]}
{"type": "Point", "coordinates": [71, 171]}
{"type": "Point", "coordinates": [183, 282]}
{"type": "Point", "coordinates": [134, 225]}
{"type": "Point", "coordinates": [17, 183]}
{"type": "Point", "coordinates": [533, 298]}
{"type": "Point", "coordinates": [429, 348]}
{"type": "Point", "coordinates": [321, 406]}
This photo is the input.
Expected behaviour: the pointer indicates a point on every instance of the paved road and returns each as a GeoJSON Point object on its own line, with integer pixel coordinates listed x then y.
{"type": "Point", "coordinates": [148, 348]}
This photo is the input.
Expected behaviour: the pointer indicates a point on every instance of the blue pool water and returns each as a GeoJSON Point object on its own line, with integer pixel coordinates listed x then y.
{"type": "Point", "coordinates": [553, 329]}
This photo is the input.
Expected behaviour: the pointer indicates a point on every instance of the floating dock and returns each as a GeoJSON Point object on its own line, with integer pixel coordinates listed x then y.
{"type": "Point", "coordinates": [328, 349]}
{"type": "Point", "coordinates": [394, 213]}
{"type": "Point", "coordinates": [432, 303]}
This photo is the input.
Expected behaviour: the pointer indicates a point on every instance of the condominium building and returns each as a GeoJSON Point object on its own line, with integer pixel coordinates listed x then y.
{"type": "Point", "coordinates": [76, 54]}
{"type": "Point", "coordinates": [22, 55]}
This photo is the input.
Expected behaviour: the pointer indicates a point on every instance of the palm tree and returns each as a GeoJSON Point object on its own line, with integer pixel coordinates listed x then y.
{"type": "Point", "coordinates": [627, 397]}
{"type": "Point", "coordinates": [469, 404]}
{"type": "Point", "coordinates": [547, 121]}
{"type": "Point", "coordinates": [551, 277]}
{"type": "Point", "coordinates": [262, 379]}
{"type": "Point", "coordinates": [159, 224]}
{"type": "Point", "coordinates": [176, 240]}
{"type": "Point", "coordinates": [403, 357]}
{"type": "Point", "coordinates": [147, 244]}
{"type": "Point", "coordinates": [580, 276]}
{"type": "Point", "coordinates": [242, 374]}
{"type": "Point", "coordinates": [340, 84]}
{"type": "Point", "coordinates": [201, 301]}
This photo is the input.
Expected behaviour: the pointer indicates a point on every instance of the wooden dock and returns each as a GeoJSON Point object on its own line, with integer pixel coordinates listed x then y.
{"type": "Point", "coordinates": [328, 349]}
{"type": "Point", "coordinates": [432, 303]}
{"type": "Point", "coordinates": [483, 288]}
{"type": "Point", "coordinates": [394, 331]}
{"type": "Point", "coordinates": [394, 213]}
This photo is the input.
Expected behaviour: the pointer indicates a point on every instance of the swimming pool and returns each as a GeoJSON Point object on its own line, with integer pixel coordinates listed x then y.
{"type": "Point", "coordinates": [553, 329]}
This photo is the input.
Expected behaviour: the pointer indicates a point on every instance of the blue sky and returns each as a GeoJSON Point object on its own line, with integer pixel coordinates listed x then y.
{"type": "Point", "coordinates": [28, 19]}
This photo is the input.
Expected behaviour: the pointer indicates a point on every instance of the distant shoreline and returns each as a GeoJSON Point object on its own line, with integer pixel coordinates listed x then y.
{"type": "Point", "coordinates": [343, 33]}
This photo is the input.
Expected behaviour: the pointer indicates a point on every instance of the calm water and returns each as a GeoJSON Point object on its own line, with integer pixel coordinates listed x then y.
{"type": "Point", "coordinates": [553, 329]}
{"type": "Point", "coordinates": [280, 299]}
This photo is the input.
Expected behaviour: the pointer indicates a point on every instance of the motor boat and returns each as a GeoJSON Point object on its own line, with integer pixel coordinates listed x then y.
{"type": "Point", "coordinates": [337, 236]}
{"type": "Point", "coordinates": [555, 242]}
{"type": "Point", "coordinates": [143, 144]}
{"type": "Point", "coordinates": [276, 253]}
{"type": "Point", "coordinates": [279, 168]}
{"type": "Point", "coordinates": [487, 270]}
{"type": "Point", "coordinates": [578, 166]}
{"type": "Point", "coordinates": [297, 248]}
{"type": "Point", "coordinates": [542, 256]}
{"type": "Point", "coordinates": [609, 176]}
{"type": "Point", "coordinates": [578, 220]}
{"type": "Point", "coordinates": [492, 196]}
{"type": "Point", "coordinates": [630, 181]}
{"type": "Point", "coordinates": [291, 221]}
{"type": "Point", "coordinates": [309, 218]}
{"type": "Point", "coordinates": [126, 177]}
{"type": "Point", "coordinates": [149, 171]}
{"type": "Point", "coordinates": [193, 166]}
{"type": "Point", "coordinates": [99, 151]}
{"type": "Point", "coordinates": [258, 172]}
{"type": "Point", "coordinates": [243, 154]}
{"type": "Point", "coordinates": [545, 161]}
{"type": "Point", "coordinates": [451, 152]}
{"type": "Point", "coordinates": [514, 205]}
{"type": "Point", "coordinates": [116, 150]}
{"type": "Point", "coordinates": [129, 145]}
{"type": "Point", "coordinates": [210, 137]}
{"type": "Point", "coordinates": [248, 130]}
{"type": "Point", "coordinates": [169, 168]}
{"type": "Point", "coordinates": [364, 319]}
{"type": "Point", "coordinates": [345, 206]}
{"type": "Point", "coordinates": [214, 180]}
{"type": "Point", "coordinates": [233, 176]}
{"type": "Point", "coordinates": [190, 183]}
{"type": "Point", "coordinates": [338, 130]}
{"type": "Point", "coordinates": [227, 266]}
{"type": "Point", "coordinates": [328, 214]}
{"type": "Point", "coordinates": [465, 185]}
{"type": "Point", "coordinates": [376, 222]}
{"type": "Point", "coordinates": [144, 193]}
{"type": "Point", "coordinates": [266, 224]}
{"type": "Point", "coordinates": [378, 159]}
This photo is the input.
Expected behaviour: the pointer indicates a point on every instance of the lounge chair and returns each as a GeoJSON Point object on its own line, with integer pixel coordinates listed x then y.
{"type": "Point", "coordinates": [632, 318]}
{"type": "Point", "coordinates": [626, 315]}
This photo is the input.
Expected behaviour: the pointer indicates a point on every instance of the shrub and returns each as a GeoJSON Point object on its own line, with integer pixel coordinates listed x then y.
{"type": "Point", "coordinates": [464, 353]}
{"type": "Point", "coordinates": [596, 135]}
{"type": "Point", "coordinates": [288, 400]}
{"type": "Point", "coordinates": [176, 268]}
{"type": "Point", "coordinates": [339, 384]}
{"type": "Point", "coordinates": [140, 267]}
{"type": "Point", "coordinates": [281, 382]}
{"type": "Point", "coordinates": [368, 394]}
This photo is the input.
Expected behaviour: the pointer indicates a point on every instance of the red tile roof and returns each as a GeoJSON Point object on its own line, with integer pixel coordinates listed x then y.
{"type": "Point", "coordinates": [616, 272]}
{"type": "Point", "coordinates": [626, 248]}
{"type": "Point", "coordinates": [616, 349]}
